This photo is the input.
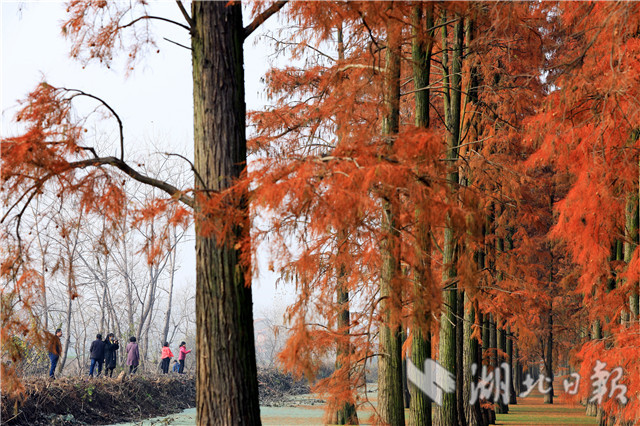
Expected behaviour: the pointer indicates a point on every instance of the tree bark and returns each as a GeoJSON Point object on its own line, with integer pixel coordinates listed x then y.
{"type": "Point", "coordinates": [406, 395]}
{"type": "Point", "coordinates": [548, 362]}
{"type": "Point", "coordinates": [501, 340]}
{"type": "Point", "coordinates": [510, 355]}
{"type": "Point", "coordinates": [488, 415]}
{"type": "Point", "coordinates": [172, 274]}
{"type": "Point", "coordinates": [473, 413]}
{"type": "Point", "coordinates": [448, 412]}
{"type": "Point", "coordinates": [390, 394]}
{"type": "Point", "coordinates": [421, 47]}
{"type": "Point", "coordinates": [460, 385]}
{"type": "Point", "coordinates": [345, 415]}
{"type": "Point", "coordinates": [226, 374]}
{"type": "Point", "coordinates": [630, 245]}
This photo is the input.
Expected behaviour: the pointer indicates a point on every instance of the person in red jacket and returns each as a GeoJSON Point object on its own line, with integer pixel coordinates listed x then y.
{"type": "Point", "coordinates": [182, 356]}
{"type": "Point", "coordinates": [166, 358]}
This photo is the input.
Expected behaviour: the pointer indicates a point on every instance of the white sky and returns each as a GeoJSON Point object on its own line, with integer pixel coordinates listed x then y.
{"type": "Point", "coordinates": [154, 102]}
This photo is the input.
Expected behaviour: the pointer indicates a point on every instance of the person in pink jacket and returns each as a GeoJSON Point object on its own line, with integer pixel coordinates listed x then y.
{"type": "Point", "coordinates": [166, 357]}
{"type": "Point", "coordinates": [182, 356]}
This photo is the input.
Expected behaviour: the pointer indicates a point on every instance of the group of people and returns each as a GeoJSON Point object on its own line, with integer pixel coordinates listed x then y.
{"type": "Point", "coordinates": [104, 352]}
{"type": "Point", "coordinates": [178, 365]}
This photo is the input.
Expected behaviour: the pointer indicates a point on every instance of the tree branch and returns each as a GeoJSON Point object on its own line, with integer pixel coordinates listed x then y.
{"type": "Point", "coordinates": [159, 18]}
{"type": "Point", "coordinates": [185, 14]}
{"type": "Point", "coordinates": [106, 105]}
{"type": "Point", "coordinates": [178, 44]}
{"type": "Point", "coordinates": [259, 20]}
{"type": "Point", "coordinates": [124, 167]}
{"type": "Point", "coordinates": [193, 167]}
{"type": "Point", "coordinates": [362, 66]}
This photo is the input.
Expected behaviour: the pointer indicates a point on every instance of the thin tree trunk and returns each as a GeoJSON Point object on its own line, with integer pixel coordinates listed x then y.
{"type": "Point", "coordinates": [630, 245]}
{"type": "Point", "coordinates": [510, 355]}
{"type": "Point", "coordinates": [501, 340]}
{"type": "Point", "coordinates": [67, 340]}
{"type": "Point", "coordinates": [346, 414]}
{"type": "Point", "coordinates": [172, 273]}
{"type": "Point", "coordinates": [226, 373]}
{"type": "Point", "coordinates": [421, 47]}
{"type": "Point", "coordinates": [406, 395]}
{"type": "Point", "coordinates": [448, 412]}
{"type": "Point", "coordinates": [596, 334]}
{"type": "Point", "coordinates": [473, 414]}
{"type": "Point", "coordinates": [460, 385]}
{"type": "Point", "coordinates": [488, 415]}
{"type": "Point", "coordinates": [548, 362]}
{"type": "Point", "coordinates": [390, 395]}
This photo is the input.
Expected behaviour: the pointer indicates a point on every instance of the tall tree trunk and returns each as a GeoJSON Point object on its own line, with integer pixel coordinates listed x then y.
{"type": "Point", "coordinates": [460, 319]}
{"type": "Point", "coordinates": [346, 414]}
{"type": "Point", "coordinates": [501, 340]}
{"type": "Point", "coordinates": [548, 362]}
{"type": "Point", "coordinates": [226, 373]}
{"type": "Point", "coordinates": [473, 412]}
{"type": "Point", "coordinates": [630, 245]}
{"type": "Point", "coordinates": [405, 383]}
{"type": "Point", "coordinates": [596, 334]}
{"type": "Point", "coordinates": [67, 340]}
{"type": "Point", "coordinates": [452, 100]}
{"type": "Point", "coordinates": [518, 370]}
{"type": "Point", "coordinates": [421, 47]}
{"type": "Point", "coordinates": [390, 395]}
{"type": "Point", "coordinates": [510, 358]}
{"type": "Point", "coordinates": [488, 415]}
{"type": "Point", "coordinates": [172, 274]}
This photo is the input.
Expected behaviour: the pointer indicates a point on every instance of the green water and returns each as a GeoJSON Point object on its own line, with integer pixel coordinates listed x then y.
{"type": "Point", "coordinates": [270, 416]}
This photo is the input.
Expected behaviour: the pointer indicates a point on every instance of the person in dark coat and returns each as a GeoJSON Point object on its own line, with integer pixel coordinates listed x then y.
{"type": "Point", "coordinates": [111, 345]}
{"type": "Point", "coordinates": [96, 354]}
{"type": "Point", "coordinates": [55, 350]}
{"type": "Point", "coordinates": [133, 355]}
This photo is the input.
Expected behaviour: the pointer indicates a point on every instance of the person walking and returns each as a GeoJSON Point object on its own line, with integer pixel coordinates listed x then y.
{"type": "Point", "coordinates": [111, 345]}
{"type": "Point", "coordinates": [97, 355]}
{"type": "Point", "coordinates": [166, 357]}
{"type": "Point", "coordinates": [182, 356]}
{"type": "Point", "coordinates": [55, 350]}
{"type": "Point", "coordinates": [133, 355]}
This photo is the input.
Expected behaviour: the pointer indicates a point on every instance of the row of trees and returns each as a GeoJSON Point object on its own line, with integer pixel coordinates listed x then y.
{"type": "Point", "coordinates": [456, 181]}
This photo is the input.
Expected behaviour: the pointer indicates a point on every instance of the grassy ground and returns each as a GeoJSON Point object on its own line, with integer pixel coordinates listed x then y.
{"type": "Point", "coordinates": [528, 411]}
{"type": "Point", "coordinates": [533, 411]}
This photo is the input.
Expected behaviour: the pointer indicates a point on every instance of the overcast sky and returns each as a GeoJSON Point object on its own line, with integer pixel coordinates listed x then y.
{"type": "Point", "coordinates": [154, 102]}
